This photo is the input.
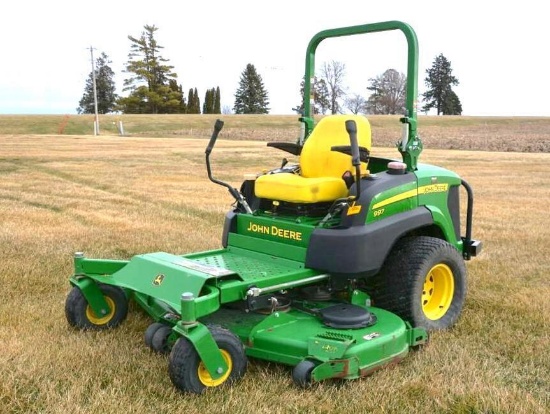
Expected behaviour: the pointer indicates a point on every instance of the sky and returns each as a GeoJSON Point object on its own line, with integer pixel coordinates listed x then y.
{"type": "Point", "coordinates": [498, 49]}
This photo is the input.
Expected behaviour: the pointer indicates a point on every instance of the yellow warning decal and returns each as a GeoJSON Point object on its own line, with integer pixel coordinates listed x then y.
{"type": "Point", "coordinates": [354, 209]}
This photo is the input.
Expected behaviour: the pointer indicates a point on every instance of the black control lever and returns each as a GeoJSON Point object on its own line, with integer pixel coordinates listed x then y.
{"type": "Point", "coordinates": [217, 128]}
{"type": "Point", "coordinates": [351, 128]}
{"type": "Point", "coordinates": [233, 191]}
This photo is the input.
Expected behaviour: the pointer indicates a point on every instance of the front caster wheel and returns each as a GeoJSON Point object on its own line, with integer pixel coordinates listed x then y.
{"type": "Point", "coordinates": [189, 374]}
{"type": "Point", "coordinates": [150, 332]}
{"type": "Point", "coordinates": [161, 340]}
{"type": "Point", "coordinates": [301, 374]}
{"type": "Point", "coordinates": [80, 315]}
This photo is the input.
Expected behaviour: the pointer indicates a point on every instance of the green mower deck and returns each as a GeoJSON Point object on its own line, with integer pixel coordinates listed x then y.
{"type": "Point", "coordinates": [290, 330]}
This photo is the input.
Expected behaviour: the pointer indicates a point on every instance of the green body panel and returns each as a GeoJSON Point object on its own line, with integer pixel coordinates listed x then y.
{"type": "Point", "coordinates": [160, 275]}
{"type": "Point", "coordinates": [392, 201]}
{"type": "Point", "coordinates": [255, 244]}
{"type": "Point", "coordinates": [434, 184]}
{"type": "Point", "coordinates": [98, 266]}
{"type": "Point", "coordinates": [157, 280]}
{"type": "Point", "coordinates": [431, 190]}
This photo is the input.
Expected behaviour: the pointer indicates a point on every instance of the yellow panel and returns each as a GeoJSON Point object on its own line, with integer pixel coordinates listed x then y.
{"type": "Point", "coordinates": [296, 189]}
{"type": "Point", "coordinates": [317, 160]}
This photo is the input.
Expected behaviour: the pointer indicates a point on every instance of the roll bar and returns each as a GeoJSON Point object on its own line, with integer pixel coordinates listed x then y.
{"type": "Point", "coordinates": [410, 145]}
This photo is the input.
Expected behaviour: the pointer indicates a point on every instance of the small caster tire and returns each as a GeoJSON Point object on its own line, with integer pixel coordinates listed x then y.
{"type": "Point", "coordinates": [161, 340]}
{"type": "Point", "coordinates": [80, 315]}
{"type": "Point", "coordinates": [301, 374]}
{"type": "Point", "coordinates": [150, 332]}
{"type": "Point", "coordinates": [189, 374]}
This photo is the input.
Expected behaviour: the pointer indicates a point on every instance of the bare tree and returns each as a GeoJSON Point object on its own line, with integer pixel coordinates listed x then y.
{"type": "Point", "coordinates": [355, 103]}
{"type": "Point", "coordinates": [388, 93]}
{"type": "Point", "coordinates": [320, 94]}
{"type": "Point", "coordinates": [333, 74]}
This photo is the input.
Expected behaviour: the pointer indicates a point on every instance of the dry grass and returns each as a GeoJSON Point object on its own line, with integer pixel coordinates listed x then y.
{"type": "Point", "coordinates": [115, 197]}
{"type": "Point", "coordinates": [519, 134]}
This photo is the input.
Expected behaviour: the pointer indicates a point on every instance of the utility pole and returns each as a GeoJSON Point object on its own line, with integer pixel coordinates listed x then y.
{"type": "Point", "coordinates": [96, 122]}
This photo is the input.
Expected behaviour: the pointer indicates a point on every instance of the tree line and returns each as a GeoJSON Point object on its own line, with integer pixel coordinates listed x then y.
{"type": "Point", "coordinates": [152, 88]}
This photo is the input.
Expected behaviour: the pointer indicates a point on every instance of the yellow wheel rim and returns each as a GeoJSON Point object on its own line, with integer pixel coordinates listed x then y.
{"type": "Point", "coordinates": [438, 291]}
{"type": "Point", "coordinates": [206, 379]}
{"type": "Point", "coordinates": [101, 320]}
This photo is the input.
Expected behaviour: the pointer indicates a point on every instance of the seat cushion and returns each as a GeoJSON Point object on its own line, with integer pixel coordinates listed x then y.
{"type": "Point", "coordinates": [318, 160]}
{"type": "Point", "coordinates": [296, 189]}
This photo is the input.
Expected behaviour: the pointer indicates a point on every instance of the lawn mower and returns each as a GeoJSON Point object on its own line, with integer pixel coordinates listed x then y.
{"type": "Point", "coordinates": [336, 266]}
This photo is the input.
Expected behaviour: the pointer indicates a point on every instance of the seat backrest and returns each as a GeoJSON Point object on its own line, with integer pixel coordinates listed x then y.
{"type": "Point", "coordinates": [317, 160]}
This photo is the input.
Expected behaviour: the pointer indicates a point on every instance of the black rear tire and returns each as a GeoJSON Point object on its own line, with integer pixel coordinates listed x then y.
{"type": "Point", "coordinates": [423, 281]}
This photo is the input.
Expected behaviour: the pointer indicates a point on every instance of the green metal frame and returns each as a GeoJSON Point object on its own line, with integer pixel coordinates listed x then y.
{"type": "Point", "coordinates": [411, 146]}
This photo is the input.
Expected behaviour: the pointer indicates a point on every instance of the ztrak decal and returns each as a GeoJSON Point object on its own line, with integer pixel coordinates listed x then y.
{"type": "Point", "coordinates": [433, 188]}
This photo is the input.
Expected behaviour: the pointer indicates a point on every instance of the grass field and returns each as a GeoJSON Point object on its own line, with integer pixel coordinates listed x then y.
{"type": "Point", "coordinates": [519, 134]}
{"type": "Point", "coordinates": [113, 197]}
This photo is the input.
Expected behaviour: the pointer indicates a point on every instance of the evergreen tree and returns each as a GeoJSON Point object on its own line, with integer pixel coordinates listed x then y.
{"type": "Point", "coordinates": [149, 84]}
{"type": "Point", "coordinates": [191, 101]}
{"type": "Point", "coordinates": [451, 104]}
{"type": "Point", "coordinates": [251, 96]}
{"type": "Point", "coordinates": [196, 102]}
{"type": "Point", "coordinates": [440, 95]}
{"type": "Point", "coordinates": [207, 100]}
{"type": "Point", "coordinates": [181, 106]}
{"type": "Point", "coordinates": [105, 89]}
{"type": "Point", "coordinates": [210, 102]}
{"type": "Point", "coordinates": [388, 93]}
{"type": "Point", "coordinates": [217, 102]}
{"type": "Point", "coordinates": [172, 99]}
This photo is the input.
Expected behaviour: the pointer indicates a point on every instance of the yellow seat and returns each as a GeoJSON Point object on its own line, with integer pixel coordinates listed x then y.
{"type": "Point", "coordinates": [321, 169]}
